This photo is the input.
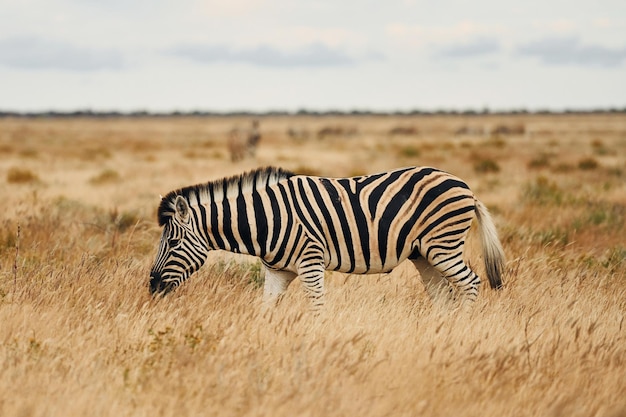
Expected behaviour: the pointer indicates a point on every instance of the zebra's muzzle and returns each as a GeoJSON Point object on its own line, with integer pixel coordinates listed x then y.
{"type": "Point", "coordinates": [158, 286]}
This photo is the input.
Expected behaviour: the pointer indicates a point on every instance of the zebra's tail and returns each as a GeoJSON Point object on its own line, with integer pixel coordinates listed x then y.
{"type": "Point", "coordinates": [492, 249]}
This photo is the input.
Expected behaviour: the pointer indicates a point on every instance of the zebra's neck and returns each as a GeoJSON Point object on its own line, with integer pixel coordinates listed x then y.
{"type": "Point", "coordinates": [220, 209]}
{"type": "Point", "coordinates": [217, 191]}
{"type": "Point", "coordinates": [246, 183]}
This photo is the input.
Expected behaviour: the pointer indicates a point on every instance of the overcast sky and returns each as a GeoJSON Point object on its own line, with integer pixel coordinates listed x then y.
{"type": "Point", "coordinates": [259, 55]}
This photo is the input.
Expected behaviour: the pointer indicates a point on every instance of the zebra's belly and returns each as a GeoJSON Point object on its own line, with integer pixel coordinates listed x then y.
{"type": "Point", "coordinates": [365, 271]}
{"type": "Point", "coordinates": [373, 268]}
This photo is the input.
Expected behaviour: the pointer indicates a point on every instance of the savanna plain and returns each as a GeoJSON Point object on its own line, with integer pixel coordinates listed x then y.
{"type": "Point", "coordinates": [81, 336]}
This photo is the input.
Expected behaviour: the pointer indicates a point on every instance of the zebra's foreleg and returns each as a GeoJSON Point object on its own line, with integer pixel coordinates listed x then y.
{"type": "Point", "coordinates": [311, 273]}
{"type": "Point", "coordinates": [276, 283]}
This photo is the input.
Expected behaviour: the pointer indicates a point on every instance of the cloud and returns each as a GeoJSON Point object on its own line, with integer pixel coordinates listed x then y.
{"type": "Point", "coordinates": [230, 8]}
{"type": "Point", "coordinates": [570, 51]}
{"type": "Point", "coordinates": [312, 55]}
{"type": "Point", "coordinates": [421, 35]}
{"type": "Point", "coordinates": [478, 47]}
{"type": "Point", "coordinates": [35, 53]}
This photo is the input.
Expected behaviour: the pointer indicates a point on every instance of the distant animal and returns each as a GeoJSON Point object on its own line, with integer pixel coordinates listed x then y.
{"type": "Point", "coordinates": [243, 142]}
{"type": "Point", "coordinates": [298, 134]}
{"type": "Point", "coordinates": [470, 130]}
{"type": "Point", "coordinates": [518, 129]}
{"type": "Point", "coordinates": [403, 130]}
{"type": "Point", "coordinates": [303, 225]}
{"type": "Point", "coordinates": [330, 131]}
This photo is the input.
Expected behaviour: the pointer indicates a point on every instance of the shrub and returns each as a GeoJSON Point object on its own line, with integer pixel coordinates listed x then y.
{"type": "Point", "coordinates": [597, 143]}
{"type": "Point", "coordinates": [196, 154]}
{"type": "Point", "coordinates": [563, 167]}
{"type": "Point", "coordinates": [518, 129]}
{"type": "Point", "coordinates": [28, 153]}
{"type": "Point", "coordinates": [496, 141]}
{"type": "Point", "coordinates": [409, 152]}
{"type": "Point", "coordinates": [599, 213]}
{"type": "Point", "coordinates": [587, 164]}
{"type": "Point", "coordinates": [541, 161]}
{"type": "Point", "coordinates": [448, 146]}
{"type": "Point", "coordinates": [21, 176]}
{"type": "Point", "coordinates": [486, 166]}
{"type": "Point", "coordinates": [599, 148]}
{"type": "Point", "coordinates": [553, 236]}
{"type": "Point", "coordinates": [615, 259]}
{"type": "Point", "coordinates": [8, 236]}
{"type": "Point", "coordinates": [305, 170]}
{"type": "Point", "coordinates": [92, 154]}
{"type": "Point", "coordinates": [542, 192]}
{"type": "Point", "coordinates": [105, 177]}
{"type": "Point", "coordinates": [209, 143]}
{"type": "Point", "coordinates": [240, 273]}
{"type": "Point", "coordinates": [357, 172]}
{"type": "Point", "coordinates": [123, 220]}
{"type": "Point", "coordinates": [403, 130]}
{"type": "Point", "coordinates": [217, 155]}
{"type": "Point", "coordinates": [256, 275]}
{"type": "Point", "coordinates": [615, 172]}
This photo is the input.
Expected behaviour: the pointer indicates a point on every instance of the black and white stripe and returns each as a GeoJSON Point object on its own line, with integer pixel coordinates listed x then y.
{"type": "Point", "coordinates": [302, 225]}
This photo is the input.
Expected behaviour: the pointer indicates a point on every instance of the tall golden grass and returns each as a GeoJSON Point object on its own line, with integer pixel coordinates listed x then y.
{"type": "Point", "coordinates": [79, 334]}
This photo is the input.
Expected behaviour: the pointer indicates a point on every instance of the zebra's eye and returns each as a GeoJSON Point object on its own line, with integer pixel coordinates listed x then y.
{"type": "Point", "coordinates": [173, 242]}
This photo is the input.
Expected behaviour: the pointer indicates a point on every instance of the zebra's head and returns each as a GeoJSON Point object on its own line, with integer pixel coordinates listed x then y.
{"type": "Point", "coordinates": [181, 250]}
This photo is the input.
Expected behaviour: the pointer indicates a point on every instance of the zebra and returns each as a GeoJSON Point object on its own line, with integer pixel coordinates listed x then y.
{"type": "Point", "coordinates": [243, 142]}
{"type": "Point", "coordinates": [303, 225]}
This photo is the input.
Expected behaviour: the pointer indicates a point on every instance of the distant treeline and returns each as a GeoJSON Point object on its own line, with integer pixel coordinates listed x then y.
{"type": "Point", "coordinates": [302, 112]}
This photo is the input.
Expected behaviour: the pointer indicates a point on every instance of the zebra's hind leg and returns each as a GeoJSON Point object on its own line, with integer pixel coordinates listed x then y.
{"type": "Point", "coordinates": [442, 266]}
{"type": "Point", "coordinates": [460, 276]}
{"type": "Point", "coordinates": [276, 283]}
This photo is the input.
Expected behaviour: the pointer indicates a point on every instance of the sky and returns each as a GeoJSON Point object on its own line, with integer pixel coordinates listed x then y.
{"type": "Point", "coordinates": [287, 55]}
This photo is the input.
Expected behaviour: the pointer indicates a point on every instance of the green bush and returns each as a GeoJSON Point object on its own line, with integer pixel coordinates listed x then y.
{"type": "Point", "coordinates": [542, 192]}
{"type": "Point", "coordinates": [409, 152]}
{"type": "Point", "coordinates": [541, 161]}
{"type": "Point", "coordinates": [587, 164]}
{"type": "Point", "coordinates": [486, 166]}
{"type": "Point", "coordinates": [122, 220]}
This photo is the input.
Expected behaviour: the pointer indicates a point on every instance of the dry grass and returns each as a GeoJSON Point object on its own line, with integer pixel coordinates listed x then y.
{"type": "Point", "coordinates": [79, 334]}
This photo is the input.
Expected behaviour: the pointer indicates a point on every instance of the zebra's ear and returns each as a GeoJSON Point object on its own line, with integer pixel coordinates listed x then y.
{"type": "Point", "coordinates": [182, 209]}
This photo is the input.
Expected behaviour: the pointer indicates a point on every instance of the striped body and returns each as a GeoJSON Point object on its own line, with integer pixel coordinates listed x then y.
{"type": "Point", "coordinates": [303, 225]}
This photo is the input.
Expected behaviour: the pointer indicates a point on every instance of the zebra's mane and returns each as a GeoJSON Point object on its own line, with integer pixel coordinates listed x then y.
{"type": "Point", "coordinates": [220, 189]}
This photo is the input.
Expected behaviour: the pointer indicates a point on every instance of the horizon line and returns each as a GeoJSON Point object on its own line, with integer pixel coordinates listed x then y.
{"type": "Point", "coordinates": [305, 112]}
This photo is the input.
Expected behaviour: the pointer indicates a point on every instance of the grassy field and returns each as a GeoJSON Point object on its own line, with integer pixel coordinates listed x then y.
{"type": "Point", "coordinates": [80, 335]}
